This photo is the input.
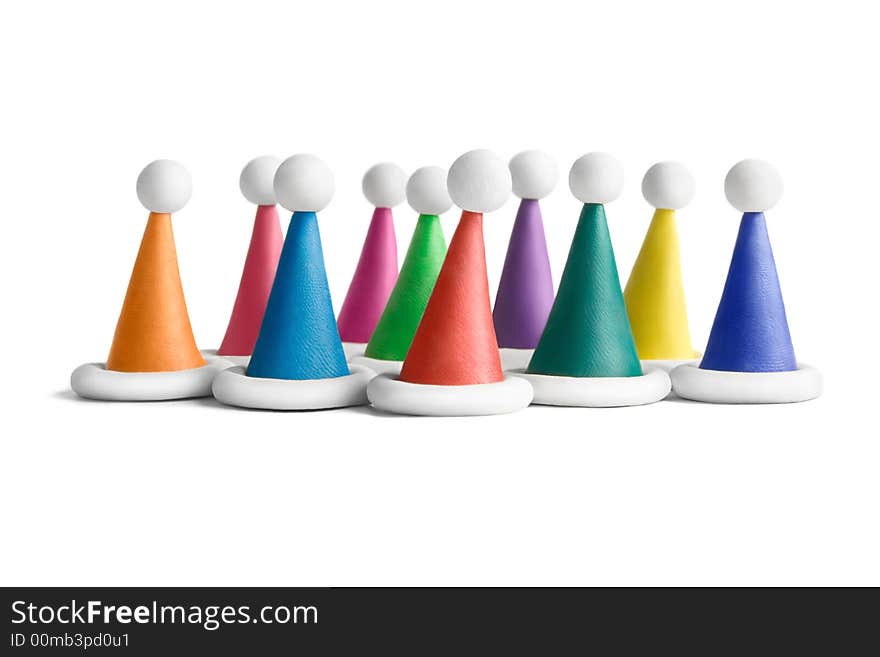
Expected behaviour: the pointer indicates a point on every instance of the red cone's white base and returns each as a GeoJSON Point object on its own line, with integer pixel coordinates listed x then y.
{"type": "Point", "coordinates": [515, 359]}
{"type": "Point", "coordinates": [599, 392]}
{"type": "Point", "coordinates": [353, 349]}
{"type": "Point", "coordinates": [388, 393]}
{"type": "Point", "coordinates": [235, 388]}
{"type": "Point", "coordinates": [718, 387]}
{"type": "Point", "coordinates": [378, 365]}
{"type": "Point", "coordinates": [95, 381]}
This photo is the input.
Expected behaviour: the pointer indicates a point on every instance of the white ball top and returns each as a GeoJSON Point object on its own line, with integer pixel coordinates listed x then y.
{"type": "Point", "coordinates": [479, 181]}
{"type": "Point", "coordinates": [304, 183]}
{"type": "Point", "coordinates": [753, 186]}
{"type": "Point", "coordinates": [384, 185]}
{"type": "Point", "coordinates": [257, 180]}
{"type": "Point", "coordinates": [534, 174]}
{"type": "Point", "coordinates": [596, 178]}
{"type": "Point", "coordinates": [668, 186]}
{"type": "Point", "coordinates": [426, 191]}
{"type": "Point", "coordinates": [164, 186]}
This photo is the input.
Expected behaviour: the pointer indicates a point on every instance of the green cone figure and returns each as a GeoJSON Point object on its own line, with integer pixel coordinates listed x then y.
{"type": "Point", "coordinates": [393, 335]}
{"type": "Point", "coordinates": [406, 305]}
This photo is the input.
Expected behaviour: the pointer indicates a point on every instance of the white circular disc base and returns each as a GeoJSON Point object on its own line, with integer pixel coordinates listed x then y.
{"type": "Point", "coordinates": [388, 393]}
{"type": "Point", "coordinates": [378, 365]}
{"type": "Point", "coordinates": [235, 388]}
{"type": "Point", "coordinates": [515, 359]}
{"type": "Point", "coordinates": [353, 349]}
{"type": "Point", "coordinates": [719, 387]}
{"type": "Point", "coordinates": [244, 361]}
{"type": "Point", "coordinates": [599, 392]}
{"type": "Point", "coordinates": [95, 381]}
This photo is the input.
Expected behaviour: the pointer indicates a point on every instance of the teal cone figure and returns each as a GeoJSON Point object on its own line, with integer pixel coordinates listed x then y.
{"type": "Point", "coordinates": [587, 355]}
{"type": "Point", "coordinates": [588, 333]}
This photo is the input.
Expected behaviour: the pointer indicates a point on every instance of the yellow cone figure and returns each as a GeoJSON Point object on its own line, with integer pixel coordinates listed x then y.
{"type": "Point", "coordinates": [654, 294]}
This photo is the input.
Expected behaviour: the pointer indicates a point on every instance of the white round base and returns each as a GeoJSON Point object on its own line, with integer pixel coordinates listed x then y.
{"type": "Point", "coordinates": [515, 359]}
{"type": "Point", "coordinates": [666, 365]}
{"type": "Point", "coordinates": [95, 381]}
{"type": "Point", "coordinates": [235, 388]}
{"type": "Point", "coordinates": [353, 349]}
{"type": "Point", "coordinates": [235, 360]}
{"type": "Point", "coordinates": [599, 392]}
{"type": "Point", "coordinates": [718, 387]}
{"type": "Point", "coordinates": [388, 393]}
{"type": "Point", "coordinates": [378, 365]}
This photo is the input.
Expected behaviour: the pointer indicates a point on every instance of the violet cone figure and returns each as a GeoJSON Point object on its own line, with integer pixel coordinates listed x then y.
{"type": "Point", "coordinates": [525, 292]}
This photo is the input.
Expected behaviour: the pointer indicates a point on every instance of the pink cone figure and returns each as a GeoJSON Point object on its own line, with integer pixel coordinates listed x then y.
{"type": "Point", "coordinates": [261, 262]}
{"type": "Point", "coordinates": [384, 185]}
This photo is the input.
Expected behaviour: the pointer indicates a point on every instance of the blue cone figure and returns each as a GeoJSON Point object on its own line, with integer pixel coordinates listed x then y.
{"type": "Point", "coordinates": [298, 338]}
{"type": "Point", "coordinates": [750, 333]}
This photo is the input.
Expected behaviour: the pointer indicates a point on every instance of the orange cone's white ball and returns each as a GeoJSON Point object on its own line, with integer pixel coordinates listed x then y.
{"type": "Point", "coordinates": [426, 191]}
{"type": "Point", "coordinates": [257, 180]}
{"type": "Point", "coordinates": [304, 183]}
{"type": "Point", "coordinates": [753, 186]}
{"type": "Point", "coordinates": [668, 186]}
{"type": "Point", "coordinates": [479, 181]}
{"type": "Point", "coordinates": [534, 174]}
{"type": "Point", "coordinates": [164, 186]}
{"type": "Point", "coordinates": [384, 185]}
{"type": "Point", "coordinates": [596, 178]}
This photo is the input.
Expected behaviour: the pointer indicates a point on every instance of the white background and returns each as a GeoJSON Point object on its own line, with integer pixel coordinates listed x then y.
{"type": "Point", "coordinates": [191, 493]}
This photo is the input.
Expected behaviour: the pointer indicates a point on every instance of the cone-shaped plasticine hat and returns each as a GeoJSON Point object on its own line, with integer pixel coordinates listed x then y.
{"type": "Point", "coordinates": [588, 333]}
{"type": "Point", "coordinates": [256, 184]}
{"type": "Point", "coordinates": [749, 357]}
{"type": "Point", "coordinates": [525, 292]}
{"type": "Point", "coordinates": [298, 362]}
{"type": "Point", "coordinates": [453, 366]}
{"type": "Point", "coordinates": [455, 343]}
{"type": "Point", "coordinates": [298, 337]}
{"type": "Point", "coordinates": [153, 333]}
{"type": "Point", "coordinates": [376, 271]}
{"type": "Point", "coordinates": [426, 193]}
{"type": "Point", "coordinates": [654, 294]}
{"type": "Point", "coordinates": [750, 332]}
{"type": "Point", "coordinates": [153, 355]}
{"type": "Point", "coordinates": [586, 355]}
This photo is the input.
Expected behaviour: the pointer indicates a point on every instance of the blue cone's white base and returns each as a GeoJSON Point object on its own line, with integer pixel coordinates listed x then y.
{"type": "Point", "coordinates": [599, 392]}
{"type": "Point", "coordinates": [388, 393]}
{"type": "Point", "coordinates": [235, 360]}
{"type": "Point", "coordinates": [515, 359]}
{"type": "Point", "coordinates": [378, 365]}
{"type": "Point", "coordinates": [235, 388]}
{"type": "Point", "coordinates": [667, 365]}
{"type": "Point", "coordinates": [353, 349]}
{"type": "Point", "coordinates": [95, 381]}
{"type": "Point", "coordinates": [719, 387]}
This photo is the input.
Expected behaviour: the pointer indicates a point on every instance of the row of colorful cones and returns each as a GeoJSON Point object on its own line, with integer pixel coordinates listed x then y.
{"type": "Point", "coordinates": [429, 332]}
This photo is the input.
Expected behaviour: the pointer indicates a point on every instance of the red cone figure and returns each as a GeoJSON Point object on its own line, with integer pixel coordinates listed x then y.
{"type": "Point", "coordinates": [453, 365]}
